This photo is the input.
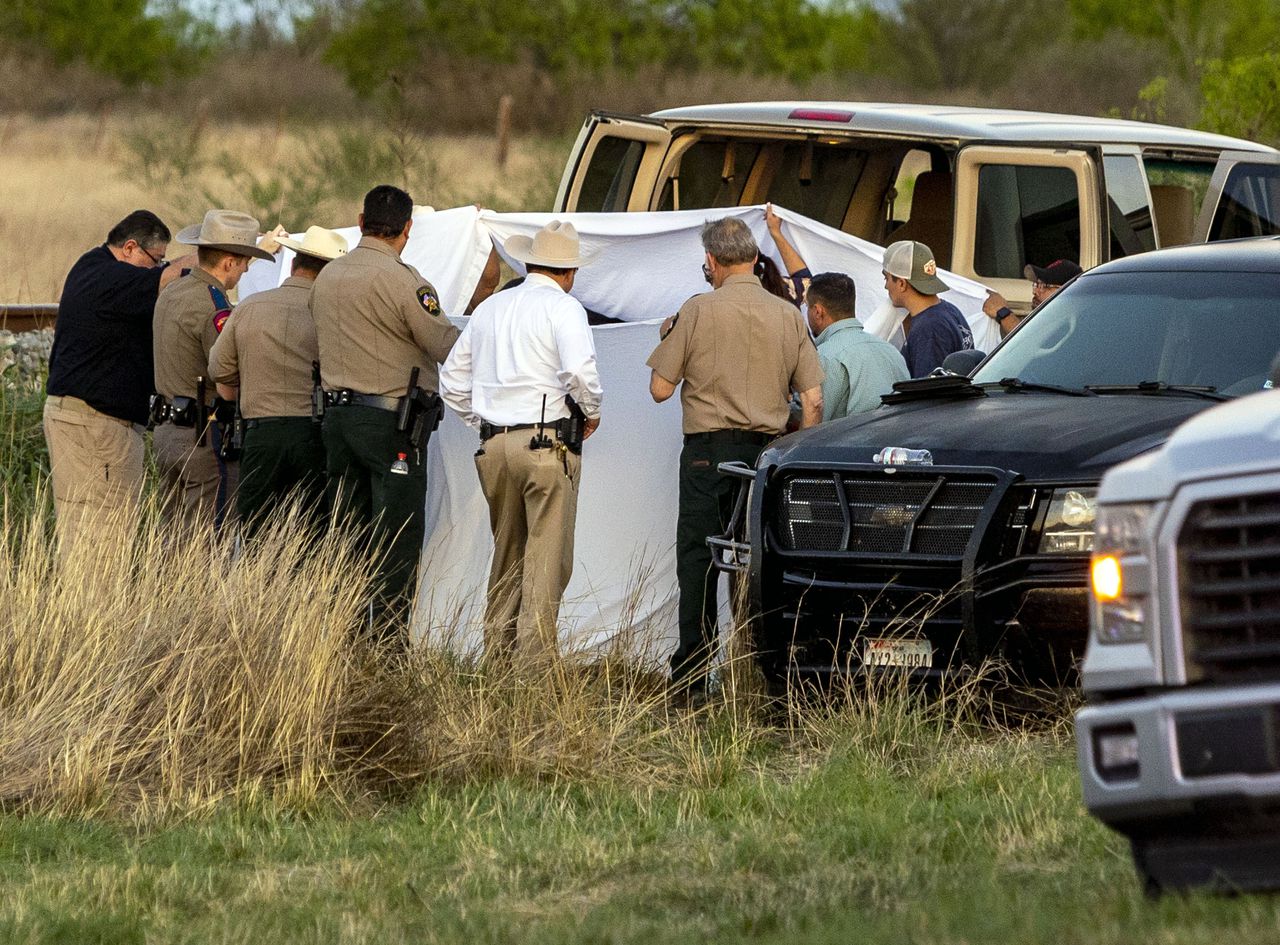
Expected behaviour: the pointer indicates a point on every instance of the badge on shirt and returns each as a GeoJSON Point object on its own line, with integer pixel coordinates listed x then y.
{"type": "Point", "coordinates": [427, 299]}
{"type": "Point", "coordinates": [221, 308]}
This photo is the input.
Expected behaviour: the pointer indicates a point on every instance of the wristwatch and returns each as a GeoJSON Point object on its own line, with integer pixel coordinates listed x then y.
{"type": "Point", "coordinates": [1002, 313]}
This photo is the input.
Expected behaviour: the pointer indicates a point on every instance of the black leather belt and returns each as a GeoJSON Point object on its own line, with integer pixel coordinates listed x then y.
{"type": "Point", "coordinates": [252, 422]}
{"type": "Point", "coordinates": [489, 430]}
{"type": "Point", "coordinates": [730, 436]}
{"type": "Point", "coordinates": [347, 398]}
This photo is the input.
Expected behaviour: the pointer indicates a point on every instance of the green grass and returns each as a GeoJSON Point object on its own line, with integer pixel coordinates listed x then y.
{"type": "Point", "coordinates": [975, 840]}
{"type": "Point", "coordinates": [24, 457]}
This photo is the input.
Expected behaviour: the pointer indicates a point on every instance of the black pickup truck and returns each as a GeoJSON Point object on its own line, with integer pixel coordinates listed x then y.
{"type": "Point", "coordinates": [859, 565]}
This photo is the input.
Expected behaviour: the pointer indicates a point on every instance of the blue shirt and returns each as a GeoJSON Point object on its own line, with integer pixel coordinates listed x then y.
{"type": "Point", "coordinates": [936, 332]}
{"type": "Point", "coordinates": [859, 367]}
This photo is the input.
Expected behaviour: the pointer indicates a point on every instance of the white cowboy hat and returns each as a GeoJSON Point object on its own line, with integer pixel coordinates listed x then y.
{"type": "Point", "coordinates": [555, 246]}
{"type": "Point", "coordinates": [318, 242]}
{"type": "Point", "coordinates": [227, 230]}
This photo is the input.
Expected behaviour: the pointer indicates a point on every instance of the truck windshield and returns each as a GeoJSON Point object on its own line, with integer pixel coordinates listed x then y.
{"type": "Point", "coordinates": [1216, 330]}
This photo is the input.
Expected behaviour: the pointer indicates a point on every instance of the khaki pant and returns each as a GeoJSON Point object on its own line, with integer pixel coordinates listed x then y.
{"type": "Point", "coordinates": [533, 503]}
{"type": "Point", "coordinates": [97, 464]}
{"type": "Point", "coordinates": [196, 485]}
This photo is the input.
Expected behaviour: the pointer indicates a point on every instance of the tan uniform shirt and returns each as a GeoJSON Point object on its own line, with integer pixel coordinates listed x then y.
{"type": "Point", "coordinates": [266, 349]}
{"type": "Point", "coordinates": [190, 313]}
{"type": "Point", "coordinates": [376, 318]}
{"type": "Point", "coordinates": [740, 352]}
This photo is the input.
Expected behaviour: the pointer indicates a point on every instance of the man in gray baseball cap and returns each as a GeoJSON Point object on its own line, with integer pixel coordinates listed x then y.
{"type": "Point", "coordinates": [934, 328]}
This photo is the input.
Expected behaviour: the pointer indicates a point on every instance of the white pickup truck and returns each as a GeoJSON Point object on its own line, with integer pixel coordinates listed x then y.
{"type": "Point", "coordinates": [1179, 745]}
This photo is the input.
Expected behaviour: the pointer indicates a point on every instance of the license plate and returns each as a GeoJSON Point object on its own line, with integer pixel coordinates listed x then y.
{"type": "Point", "coordinates": [914, 654]}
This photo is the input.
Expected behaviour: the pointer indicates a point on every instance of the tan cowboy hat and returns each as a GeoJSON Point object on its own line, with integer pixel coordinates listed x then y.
{"type": "Point", "coordinates": [555, 246]}
{"type": "Point", "coordinates": [318, 242]}
{"type": "Point", "coordinates": [227, 230]}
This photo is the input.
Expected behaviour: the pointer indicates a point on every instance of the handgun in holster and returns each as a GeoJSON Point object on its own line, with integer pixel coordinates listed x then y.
{"type": "Point", "coordinates": [419, 413]}
{"type": "Point", "coordinates": [572, 430]}
{"type": "Point", "coordinates": [226, 413]}
{"type": "Point", "coordinates": [317, 393]}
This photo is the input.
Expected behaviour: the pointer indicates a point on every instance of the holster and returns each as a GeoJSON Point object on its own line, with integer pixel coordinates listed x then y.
{"type": "Point", "coordinates": [572, 430]}
{"type": "Point", "coordinates": [419, 415]}
{"type": "Point", "coordinates": [231, 429]}
{"type": "Point", "coordinates": [317, 393]}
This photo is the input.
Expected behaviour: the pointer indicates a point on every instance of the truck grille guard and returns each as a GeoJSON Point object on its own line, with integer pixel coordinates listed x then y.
{"type": "Point", "coordinates": [862, 510]}
{"type": "Point", "coordinates": [730, 552]}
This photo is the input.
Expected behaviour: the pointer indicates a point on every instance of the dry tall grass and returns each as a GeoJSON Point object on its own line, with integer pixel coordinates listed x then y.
{"type": "Point", "coordinates": [65, 181]}
{"type": "Point", "coordinates": [168, 676]}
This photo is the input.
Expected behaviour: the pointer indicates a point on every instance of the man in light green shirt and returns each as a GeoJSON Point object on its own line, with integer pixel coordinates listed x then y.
{"type": "Point", "coordinates": [859, 367]}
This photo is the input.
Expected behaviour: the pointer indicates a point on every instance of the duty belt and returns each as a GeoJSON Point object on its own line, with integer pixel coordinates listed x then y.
{"type": "Point", "coordinates": [180, 411]}
{"type": "Point", "coordinates": [344, 398]}
{"type": "Point", "coordinates": [489, 430]}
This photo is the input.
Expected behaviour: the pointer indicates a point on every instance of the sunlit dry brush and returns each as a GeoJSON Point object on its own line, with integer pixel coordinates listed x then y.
{"type": "Point", "coordinates": [173, 673]}
{"type": "Point", "coordinates": [167, 676]}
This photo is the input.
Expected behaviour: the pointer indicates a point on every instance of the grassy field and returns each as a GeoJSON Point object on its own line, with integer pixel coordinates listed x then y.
{"type": "Point", "coordinates": [192, 752]}
{"type": "Point", "coordinates": [64, 181]}
{"type": "Point", "coordinates": [957, 841]}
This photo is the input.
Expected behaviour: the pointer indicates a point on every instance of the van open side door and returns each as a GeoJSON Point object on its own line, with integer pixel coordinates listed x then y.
{"type": "Point", "coordinates": [1020, 204]}
{"type": "Point", "coordinates": [1243, 197]}
{"type": "Point", "coordinates": [614, 164]}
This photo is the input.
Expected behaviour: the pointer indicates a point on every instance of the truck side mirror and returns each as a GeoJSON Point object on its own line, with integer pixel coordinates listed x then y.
{"type": "Point", "coordinates": [962, 363]}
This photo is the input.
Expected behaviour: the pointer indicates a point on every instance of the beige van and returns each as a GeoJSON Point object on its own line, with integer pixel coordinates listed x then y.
{"type": "Point", "coordinates": [988, 190]}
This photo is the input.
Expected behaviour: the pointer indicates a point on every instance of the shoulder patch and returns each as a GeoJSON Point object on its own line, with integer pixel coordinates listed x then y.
{"type": "Point", "coordinates": [427, 299]}
{"type": "Point", "coordinates": [221, 308]}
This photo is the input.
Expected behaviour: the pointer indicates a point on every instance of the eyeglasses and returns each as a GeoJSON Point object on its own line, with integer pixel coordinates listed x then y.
{"type": "Point", "coordinates": [155, 261]}
{"type": "Point", "coordinates": [1044, 285]}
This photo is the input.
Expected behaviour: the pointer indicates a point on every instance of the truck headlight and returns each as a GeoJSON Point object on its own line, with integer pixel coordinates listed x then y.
{"type": "Point", "coordinates": [1120, 574]}
{"type": "Point", "coordinates": [1068, 525]}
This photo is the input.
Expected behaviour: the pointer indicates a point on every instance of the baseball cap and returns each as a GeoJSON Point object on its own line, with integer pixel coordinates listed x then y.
{"type": "Point", "coordinates": [914, 262]}
{"type": "Point", "coordinates": [1058, 272]}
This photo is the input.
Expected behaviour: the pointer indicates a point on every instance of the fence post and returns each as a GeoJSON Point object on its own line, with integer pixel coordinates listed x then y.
{"type": "Point", "coordinates": [504, 129]}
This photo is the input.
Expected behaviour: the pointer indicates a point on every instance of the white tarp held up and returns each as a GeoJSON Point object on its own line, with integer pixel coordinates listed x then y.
{"type": "Point", "coordinates": [646, 265]}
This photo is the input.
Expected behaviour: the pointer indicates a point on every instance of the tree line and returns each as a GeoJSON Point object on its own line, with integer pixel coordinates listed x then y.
{"type": "Point", "coordinates": [1209, 62]}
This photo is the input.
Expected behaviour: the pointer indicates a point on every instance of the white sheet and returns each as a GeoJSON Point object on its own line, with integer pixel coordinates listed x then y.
{"type": "Point", "coordinates": [646, 265]}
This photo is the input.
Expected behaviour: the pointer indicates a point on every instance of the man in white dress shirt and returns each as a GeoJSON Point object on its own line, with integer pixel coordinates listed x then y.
{"type": "Point", "coordinates": [523, 373]}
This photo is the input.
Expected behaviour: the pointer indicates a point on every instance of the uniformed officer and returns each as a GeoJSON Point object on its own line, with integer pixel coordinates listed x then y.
{"type": "Point", "coordinates": [265, 359]}
{"type": "Point", "coordinates": [377, 319]}
{"type": "Point", "coordinates": [523, 353]}
{"type": "Point", "coordinates": [739, 353]}
{"type": "Point", "coordinates": [189, 316]}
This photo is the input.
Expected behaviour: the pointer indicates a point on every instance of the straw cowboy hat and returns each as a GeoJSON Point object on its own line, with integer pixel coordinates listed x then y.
{"type": "Point", "coordinates": [555, 246]}
{"type": "Point", "coordinates": [227, 230]}
{"type": "Point", "coordinates": [317, 242]}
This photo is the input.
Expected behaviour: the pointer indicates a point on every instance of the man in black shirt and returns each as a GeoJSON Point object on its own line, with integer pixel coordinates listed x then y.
{"type": "Point", "coordinates": [100, 380]}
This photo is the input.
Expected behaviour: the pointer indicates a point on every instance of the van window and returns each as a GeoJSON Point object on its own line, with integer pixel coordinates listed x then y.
{"type": "Point", "coordinates": [1177, 191]}
{"type": "Point", "coordinates": [1250, 203]}
{"type": "Point", "coordinates": [915, 163]}
{"type": "Point", "coordinates": [1026, 214]}
{"type": "Point", "coordinates": [816, 180]}
{"type": "Point", "coordinates": [699, 182]}
{"type": "Point", "coordinates": [1128, 208]}
{"type": "Point", "coordinates": [607, 184]}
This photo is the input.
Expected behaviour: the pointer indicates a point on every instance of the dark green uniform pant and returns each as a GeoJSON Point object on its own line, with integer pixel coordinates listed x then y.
{"type": "Point", "coordinates": [283, 460]}
{"type": "Point", "coordinates": [706, 504]}
{"type": "Point", "coordinates": [361, 445]}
